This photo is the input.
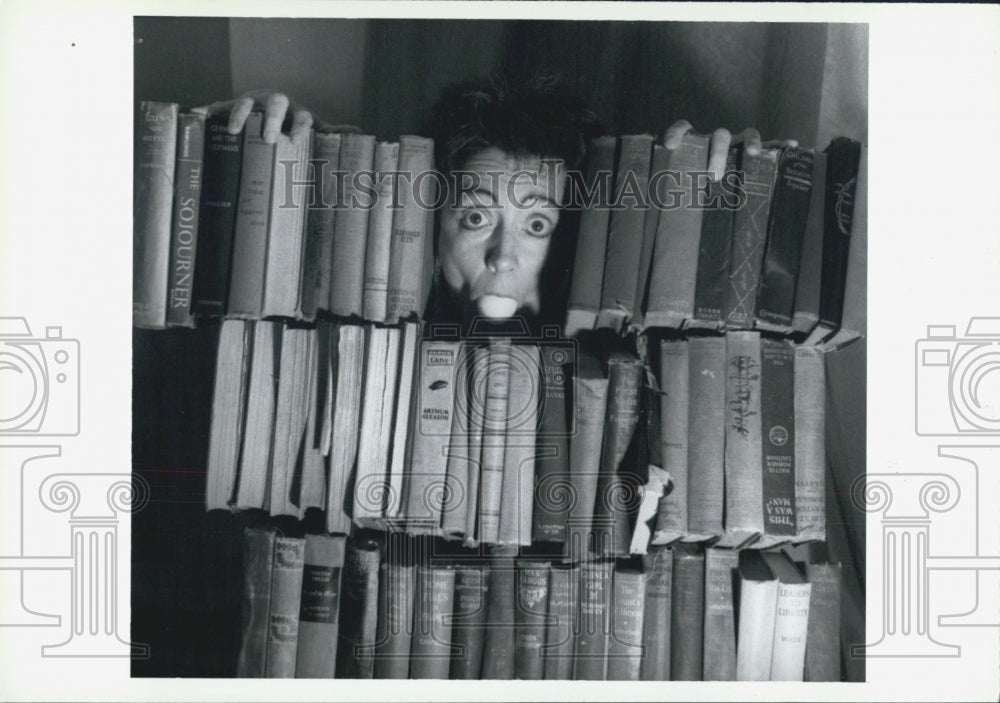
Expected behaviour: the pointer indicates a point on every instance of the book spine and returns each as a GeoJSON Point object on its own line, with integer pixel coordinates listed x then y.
{"type": "Point", "coordinates": [790, 625]}
{"type": "Point", "coordinates": [843, 159]}
{"type": "Point", "coordinates": [585, 460]}
{"type": "Point", "coordinates": [350, 232]}
{"type": "Point", "coordinates": [675, 258]}
{"type": "Point", "coordinates": [394, 631]}
{"type": "Point", "coordinates": [530, 616]}
{"type": "Point", "coordinates": [617, 487]}
{"type": "Point", "coordinates": [687, 621]}
{"type": "Point", "coordinates": [778, 438]}
{"type": "Point", "coordinates": [650, 224]}
{"type": "Point", "coordinates": [625, 232]}
{"type": "Point", "coordinates": [454, 509]}
{"type": "Point", "coordinates": [715, 249]}
{"type": "Point", "coordinates": [560, 635]}
{"type": "Point", "coordinates": [321, 218]}
{"type": "Point", "coordinates": [744, 451]}
{"type": "Point", "coordinates": [786, 229]}
{"type": "Point", "coordinates": [595, 621]}
{"type": "Point", "coordinates": [588, 265]}
{"type": "Point", "coordinates": [517, 489]}
{"type": "Point", "coordinates": [807, 287]}
{"type": "Point", "coordinates": [405, 400]}
{"type": "Point", "coordinates": [755, 630]}
{"type": "Point", "coordinates": [358, 611]}
{"type": "Point", "coordinates": [478, 378]}
{"type": "Point", "coordinates": [371, 485]}
{"type": "Point", "coordinates": [155, 162]}
{"type": "Point", "coordinates": [410, 230]}
{"type": "Point", "coordinates": [319, 613]}
{"type": "Point", "coordinates": [217, 216]}
{"type": "Point", "coordinates": [720, 625]}
{"type": "Point", "coordinates": [253, 212]}
{"type": "Point", "coordinates": [494, 423]}
{"type": "Point", "coordinates": [498, 648]}
{"type": "Point", "coordinates": [184, 227]}
{"type": "Point", "coordinates": [376, 282]}
{"type": "Point", "coordinates": [286, 600]}
{"type": "Point", "coordinates": [706, 435]}
{"type": "Point", "coordinates": [625, 646]}
{"type": "Point", "coordinates": [810, 447]}
{"type": "Point", "coordinates": [289, 422]}
{"type": "Point", "coordinates": [552, 450]}
{"type": "Point", "coordinates": [255, 458]}
{"type": "Point", "coordinates": [228, 400]}
{"type": "Point", "coordinates": [749, 232]}
{"type": "Point", "coordinates": [348, 350]}
{"type": "Point", "coordinates": [439, 363]}
{"type": "Point", "coordinates": [311, 462]}
{"type": "Point", "coordinates": [672, 512]}
{"type": "Point", "coordinates": [656, 622]}
{"type": "Point", "coordinates": [468, 631]}
{"type": "Point", "coordinates": [258, 558]}
{"type": "Point", "coordinates": [430, 654]}
{"type": "Point", "coordinates": [823, 630]}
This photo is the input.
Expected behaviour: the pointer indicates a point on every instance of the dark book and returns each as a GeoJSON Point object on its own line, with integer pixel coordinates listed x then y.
{"type": "Point", "coordinates": [625, 646]}
{"type": "Point", "coordinates": [687, 616]}
{"type": "Point", "coordinates": [468, 630]}
{"type": "Point", "coordinates": [316, 262]}
{"type": "Point", "coordinates": [715, 249]}
{"type": "Point", "coordinates": [854, 315]}
{"type": "Point", "coordinates": [650, 225]}
{"type": "Point", "coordinates": [706, 436]}
{"type": "Point", "coordinates": [319, 612]}
{"type": "Point", "coordinates": [358, 611]}
{"type": "Point", "coordinates": [530, 614]}
{"type": "Point", "coordinates": [785, 233]}
{"type": "Point", "coordinates": [430, 653]}
{"type": "Point", "coordinates": [595, 621]}
{"type": "Point", "coordinates": [656, 627]}
{"type": "Point", "coordinates": [552, 449]}
{"type": "Point", "coordinates": [823, 630]}
{"type": "Point", "coordinates": [155, 161]}
{"type": "Point", "coordinates": [498, 648]}
{"type": "Point", "coordinates": [258, 558]}
{"type": "Point", "coordinates": [560, 635]}
{"type": "Point", "coordinates": [217, 216]}
{"type": "Point", "coordinates": [394, 631]}
{"type": "Point", "coordinates": [721, 566]}
{"type": "Point", "coordinates": [286, 600]}
{"type": "Point", "coordinates": [184, 227]}
{"type": "Point", "coordinates": [807, 287]}
{"type": "Point", "coordinates": [778, 432]}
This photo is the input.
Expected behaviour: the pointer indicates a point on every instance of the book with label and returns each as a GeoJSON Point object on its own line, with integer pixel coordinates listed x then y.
{"type": "Point", "coordinates": [560, 635]}
{"type": "Point", "coordinates": [721, 566]}
{"type": "Point", "coordinates": [358, 610]}
{"type": "Point", "coordinates": [350, 228]}
{"type": "Point", "coordinates": [184, 223]}
{"type": "Point", "coordinates": [468, 617]}
{"type": "Point", "coordinates": [810, 444]}
{"type": "Point", "coordinates": [530, 618]}
{"type": "Point", "coordinates": [319, 612]}
{"type": "Point", "coordinates": [656, 622]}
{"type": "Point", "coordinates": [341, 419]}
{"type": "Point", "coordinates": [430, 653]}
{"type": "Point", "coordinates": [715, 249]}
{"type": "Point", "coordinates": [258, 559]}
{"type": "Point", "coordinates": [155, 163]}
{"type": "Point", "coordinates": [706, 436]}
{"type": "Point", "coordinates": [672, 511]}
{"type": "Point", "coordinates": [595, 621]}
{"type": "Point", "coordinates": [286, 601]}
{"type": "Point", "coordinates": [807, 287]}
{"type": "Point", "coordinates": [552, 448]}
{"type": "Point", "coordinates": [625, 646]}
{"type": "Point", "coordinates": [790, 619]}
{"type": "Point", "coordinates": [687, 621]}
{"type": "Point", "coordinates": [376, 281]}
{"type": "Point", "coordinates": [228, 403]}
{"type": "Point", "coordinates": [254, 485]}
{"type": "Point", "coordinates": [320, 219]}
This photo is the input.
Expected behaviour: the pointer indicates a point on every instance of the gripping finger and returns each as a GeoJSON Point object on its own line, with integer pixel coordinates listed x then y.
{"type": "Point", "coordinates": [239, 113]}
{"type": "Point", "coordinates": [718, 152]}
{"type": "Point", "coordinates": [274, 115]}
{"type": "Point", "coordinates": [675, 132]}
{"type": "Point", "coordinates": [302, 122]}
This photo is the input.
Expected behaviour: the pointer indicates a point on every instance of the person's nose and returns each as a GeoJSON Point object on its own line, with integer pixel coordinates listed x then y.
{"type": "Point", "coordinates": [501, 253]}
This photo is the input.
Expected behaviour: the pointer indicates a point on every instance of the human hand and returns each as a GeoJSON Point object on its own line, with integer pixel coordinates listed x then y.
{"type": "Point", "coordinates": [719, 143]}
{"type": "Point", "coordinates": [276, 107]}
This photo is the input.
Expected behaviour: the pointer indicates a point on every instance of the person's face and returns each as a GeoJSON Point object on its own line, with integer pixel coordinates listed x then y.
{"type": "Point", "coordinates": [496, 231]}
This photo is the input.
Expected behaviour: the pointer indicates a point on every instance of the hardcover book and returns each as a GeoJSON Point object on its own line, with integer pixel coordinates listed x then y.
{"type": "Point", "coordinates": [319, 615]}
{"type": "Point", "coordinates": [184, 226]}
{"type": "Point", "coordinates": [286, 600]}
{"type": "Point", "coordinates": [350, 229]}
{"type": "Point", "coordinates": [258, 559]}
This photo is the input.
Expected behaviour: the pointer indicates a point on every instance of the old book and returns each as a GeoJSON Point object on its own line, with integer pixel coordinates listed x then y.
{"type": "Point", "coordinates": [184, 223]}
{"type": "Point", "coordinates": [371, 485]}
{"type": "Point", "coordinates": [590, 406]}
{"type": "Point", "coordinates": [675, 257]}
{"type": "Point", "coordinates": [650, 225]}
{"type": "Point", "coordinates": [823, 629]}
{"type": "Point", "coordinates": [468, 632]}
{"type": "Point", "coordinates": [721, 567]}
{"type": "Point", "coordinates": [494, 420]}
{"type": "Point", "coordinates": [411, 230]}
{"type": "Point", "coordinates": [341, 419]}
{"type": "Point", "coordinates": [432, 431]}
{"type": "Point", "coordinates": [498, 647]}
{"type": "Point", "coordinates": [595, 621]}
{"type": "Point", "coordinates": [316, 260]}
{"type": "Point", "coordinates": [253, 213]}
{"type": "Point", "coordinates": [656, 622]}
{"type": "Point", "coordinates": [790, 619]}
{"type": "Point", "coordinates": [854, 317]}
{"type": "Point", "coordinates": [706, 436]}
{"type": "Point", "coordinates": [286, 230]}
{"type": "Point", "coordinates": [478, 380]}
{"type": "Point", "coordinates": [217, 216]}
{"type": "Point", "coordinates": [715, 249]}
{"type": "Point", "coordinates": [517, 488]}
{"type": "Point", "coordinates": [461, 462]}
{"type": "Point", "coordinates": [253, 490]}
{"type": "Point", "coordinates": [291, 409]}
{"type": "Point", "coordinates": [778, 433]}
{"type": "Point", "coordinates": [394, 630]}
{"type": "Point", "coordinates": [286, 600]}
{"type": "Point", "coordinates": [625, 646]}
{"type": "Point", "coordinates": [350, 229]}
{"type": "Point", "coordinates": [228, 403]}
{"type": "Point", "coordinates": [810, 444]}
{"type": "Point", "coordinates": [155, 163]}
{"type": "Point", "coordinates": [588, 265]}
{"type": "Point", "coordinates": [617, 485]}
{"type": "Point", "coordinates": [311, 463]}
{"type": "Point", "coordinates": [807, 287]}
{"type": "Point", "coordinates": [358, 610]}
{"type": "Point", "coordinates": [258, 558]}
{"type": "Point", "coordinates": [672, 511]}
{"type": "Point", "coordinates": [560, 636]}
{"type": "Point", "coordinates": [785, 233]}
{"type": "Point", "coordinates": [625, 227]}
{"type": "Point", "coordinates": [376, 281]}
{"type": "Point", "coordinates": [530, 618]}
{"type": "Point", "coordinates": [758, 597]}
{"type": "Point", "coordinates": [319, 613]}
{"type": "Point", "coordinates": [551, 495]}
{"type": "Point", "coordinates": [749, 233]}
{"type": "Point", "coordinates": [401, 423]}
{"type": "Point", "coordinates": [430, 653]}
{"type": "Point", "coordinates": [687, 616]}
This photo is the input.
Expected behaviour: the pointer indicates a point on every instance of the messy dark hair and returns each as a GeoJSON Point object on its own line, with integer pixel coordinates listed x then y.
{"type": "Point", "coordinates": [540, 116]}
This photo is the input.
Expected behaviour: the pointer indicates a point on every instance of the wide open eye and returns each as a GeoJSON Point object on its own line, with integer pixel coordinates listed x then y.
{"type": "Point", "coordinates": [539, 226]}
{"type": "Point", "coordinates": [475, 219]}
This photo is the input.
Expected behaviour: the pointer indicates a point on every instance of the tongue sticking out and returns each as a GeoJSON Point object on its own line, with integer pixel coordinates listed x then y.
{"type": "Point", "coordinates": [496, 306]}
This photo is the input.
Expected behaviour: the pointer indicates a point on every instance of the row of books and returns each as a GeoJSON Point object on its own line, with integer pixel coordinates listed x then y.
{"type": "Point", "coordinates": [509, 441]}
{"type": "Point", "coordinates": [324, 606]}
{"type": "Point", "coordinates": [228, 225]}
{"type": "Point", "coordinates": [778, 244]}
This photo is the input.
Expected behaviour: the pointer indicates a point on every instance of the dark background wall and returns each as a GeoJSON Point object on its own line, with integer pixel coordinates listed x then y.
{"type": "Point", "coordinates": [801, 81]}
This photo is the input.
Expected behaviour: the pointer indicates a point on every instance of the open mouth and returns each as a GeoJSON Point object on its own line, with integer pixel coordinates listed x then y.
{"type": "Point", "coordinates": [496, 306]}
